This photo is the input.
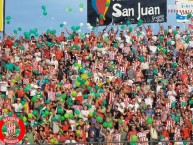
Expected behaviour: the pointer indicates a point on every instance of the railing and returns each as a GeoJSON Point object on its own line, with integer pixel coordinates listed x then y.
{"type": "Point", "coordinates": [172, 142]}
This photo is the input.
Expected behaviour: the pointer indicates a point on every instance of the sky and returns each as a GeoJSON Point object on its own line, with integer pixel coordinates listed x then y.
{"type": "Point", "coordinates": [27, 14]}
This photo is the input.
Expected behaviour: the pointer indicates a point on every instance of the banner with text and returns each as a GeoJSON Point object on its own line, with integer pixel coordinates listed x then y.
{"type": "Point", "coordinates": [110, 12]}
{"type": "Point", "coordinates": [183, 8]}
{"type": "Point", "coordinates": [1, 15]}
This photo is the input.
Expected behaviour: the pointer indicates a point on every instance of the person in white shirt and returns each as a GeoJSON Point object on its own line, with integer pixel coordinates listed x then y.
{"type": "Point", "coordinates": [54, 62]}
{"type": "Point", "coordinates": [85, 113]}
{"type": "Point", "coordinates": [3, 86]}
{"type": "Point", "coordinates": [97, 75]}
{"type": "Point", "coordinates": [17, 106]}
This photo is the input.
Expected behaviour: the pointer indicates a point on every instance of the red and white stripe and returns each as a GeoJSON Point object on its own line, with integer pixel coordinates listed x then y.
{"type": "Point", "coordinates": [126, 50]}
{"type": "Point", "coordinates": [11, 128]}
{"type": "Point", "coordinates": [170, 124]}
{"type": "Point", "coordinates": [68, 85]}
{"type": "Point", "coordinates": [123, 70]}
{"type": "Point", "coordinates": [119, 59]}
{"type": "Point", "coordinates": [100, 66]}
{"type": "Point", "coordinates": [25, 80]}
{"type": "Point", "coordinates": [40, 68]}
{"type": "Point", "coordinates": [143, 137]}
{"type": "Point", "coordinates": [111, 97]}
{"type": "Point", "coordinates": [51, 95]}
{"type": "Point", "coordinates": [111, 55]}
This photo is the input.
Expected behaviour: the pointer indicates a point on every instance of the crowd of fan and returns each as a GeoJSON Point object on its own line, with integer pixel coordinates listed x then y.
{"type": "Point", "coordinates": [117, 85]}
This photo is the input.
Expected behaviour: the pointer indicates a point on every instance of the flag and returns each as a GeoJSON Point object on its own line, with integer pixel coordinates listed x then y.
{"type": "Point", "coordinates": [1, 15]}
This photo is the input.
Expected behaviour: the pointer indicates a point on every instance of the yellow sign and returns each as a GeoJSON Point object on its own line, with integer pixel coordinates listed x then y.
{"type": "Point", "coordinates": [1, 15]}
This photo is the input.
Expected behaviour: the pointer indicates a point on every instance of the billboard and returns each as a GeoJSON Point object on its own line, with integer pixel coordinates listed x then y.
{"type": "Point", "coordinates": [110, 12]}
{"type": "Point", "coordinates": [1, 15]}
{"type": "Point", "coordinates": [183, 8]}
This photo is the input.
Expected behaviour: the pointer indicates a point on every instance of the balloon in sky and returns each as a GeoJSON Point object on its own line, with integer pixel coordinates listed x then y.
{"type": "Point", "coordinates": [81, 5]}
{"type": "Point", "coordinates": [81, 24]}
{"type": "Point", "coordinates": [69, 9]}
{"type": "Point", "coordinates": [81, 9]}
{"type": "Point", "coordinates": [101, 6]}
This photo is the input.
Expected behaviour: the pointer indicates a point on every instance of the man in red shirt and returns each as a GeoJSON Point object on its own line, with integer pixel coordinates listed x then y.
{"type": "Point", "coordinates": [8, 42]}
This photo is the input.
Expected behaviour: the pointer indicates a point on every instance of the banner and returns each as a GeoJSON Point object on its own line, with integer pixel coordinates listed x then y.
{"type": "Point", "coordinates": [183, 8]}
{"type": "Point", "coordinates": [1, 15]}
{"type": "Point", "coordinates": [110, 12]}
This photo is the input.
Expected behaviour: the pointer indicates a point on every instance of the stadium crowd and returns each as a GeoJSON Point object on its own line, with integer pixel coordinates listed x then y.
{"type": "Point", "coordinates": [128, 84]}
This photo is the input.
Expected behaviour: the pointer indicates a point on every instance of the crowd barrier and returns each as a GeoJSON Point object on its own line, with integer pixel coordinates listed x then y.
{"type": "Point", "coordinates": [171, 142]}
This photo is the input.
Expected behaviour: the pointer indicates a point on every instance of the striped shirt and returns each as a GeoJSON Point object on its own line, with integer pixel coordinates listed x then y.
{"type": "Point", "coordinates": [51, 95]}
{"type": "Point", "coordinates": [143, 137]}
{"type": "Point", "coordinates": [111, 97]}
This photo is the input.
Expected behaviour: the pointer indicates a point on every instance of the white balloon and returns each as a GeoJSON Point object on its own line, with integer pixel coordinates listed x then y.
{"type": "Point", "coordinates": [89, 28]}
{"type": "Point", "coordinates": [154, 38]}
{"type": "Point", "coordinates": [81, 24]}
{"type": "Point", "coordinates": [118, 38]}
{"type": "Point", "coordinates": [105, 35]}
{"type": "Point", "coordinates": [186, 46]}
{"type": "Point", "coordinates": [87, 36]}
{"type": "Point", "coordinates": [81, 9]}
{"type": "Point", "coordinates": [79, 31]}
{"type": "Point", "coordinates": [172, 42]}
{"type": "Point", "coordinates": [177, 36]}
{"type": "Point", "coordinates": [88, 24]}
{"type": "Point", "coordinates": [64, 22]}
{"type": "Point", "coordinates": [170, 30]}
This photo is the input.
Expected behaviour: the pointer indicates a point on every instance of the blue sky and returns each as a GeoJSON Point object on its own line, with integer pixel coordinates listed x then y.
{"type": "Point", "coordinates": [27, 14]}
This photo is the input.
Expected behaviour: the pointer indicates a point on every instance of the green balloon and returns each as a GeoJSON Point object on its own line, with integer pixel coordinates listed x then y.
{"type": "Point", "coordinates": [107, 4]}
{"type": "Point", "coordinates": [73, 28]}
{"type": "Point", "coordinates": [45, 13]}
{"type": "Point", "coordinates": [173, 104]}
{"type": "Point", "coordinates": [63, 96]}
{"type": "Point", "coordinates": [35, 113]}
{"type": "Point", "coordinates": [21, 48]}
{"type": "Point", "coordinates": [105, 124]}
{"type": "Point", "coordinates": [176, 119]}
{"type": "Point", "coordinates": [10, 113]}
{"type": "Point", "coordinates": [77, 112]}
{"type": "Point", "coordinates": [77, 27]}
{"type": "Point", "coordinates": [24, 119]}
{"type": "Point", "coordinates": [35, 124]}
{"type": "Point", "coordinates": [120, 121]}
{"type": "Point", "coordinates": [122, 27]}
{"type": "Point", "coordinates": [149, 120]}
{"type": "Point", "coordinates": [99, 119]}
{"type": "Point", "coordinates": [81, 5]}
{"type": "Point", "coordinates": [34, 98]}
{"type": "Point", "coordinates": [134, 138]}
{"type": "Point", "coordinates": [110, 125]}
{"type": "Point", "coordinates": [128, 23]}
{"type": "Point", "coordinates": [30, 115]}
{"type": "Point", "coordinates": [15, 31]}
{"type": "Point", "coordinates": [66, 116]}
{"type": "Point", "coordinates": [8, 18]}
{"type": "Point", "coordinates": [36, 34]}
{"type": "Point", "coordinates": [3, 96]}
{"type": "Point", "coordinates": [74, 93]}
{"type": "Point", "coordinates": [101, 16]}
{"type": "Point", "coordinates": [116, 45]}
{"type": "Point", "coordinates": [191, 102]}
{"type": "Point", "coordinates": [130, 29]}
{"type": "Point", "coordinates": [61, 25]}
{"type": "Point", "coordinates": [43, 7]}
{"type": "Point", "coordinates": [4, 128]}
{"type": "Point", "coordinates": [8, 22]}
